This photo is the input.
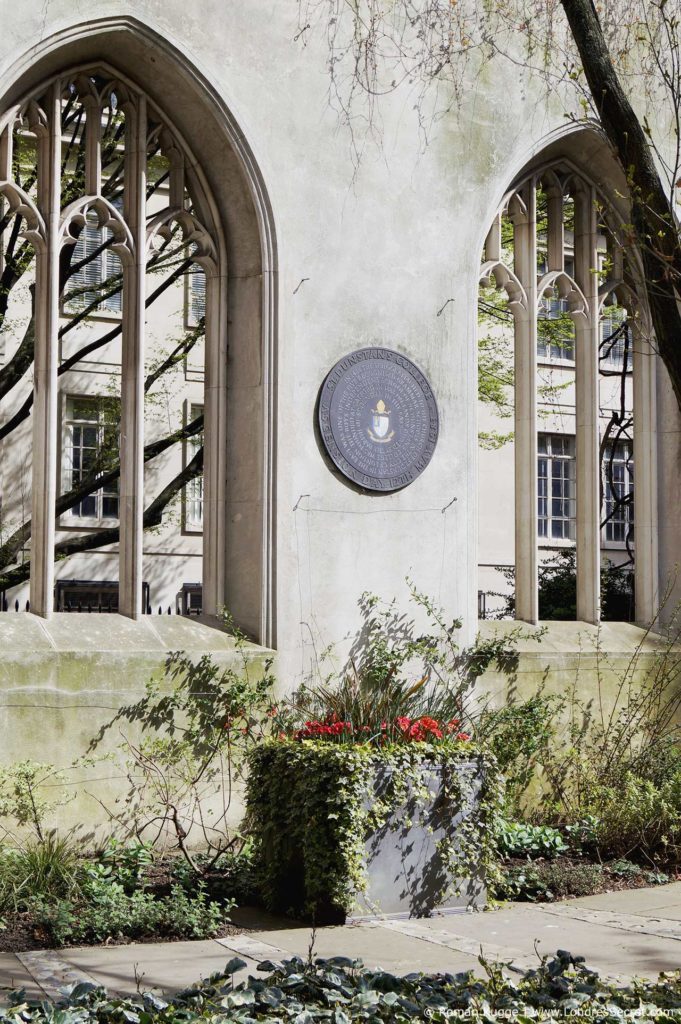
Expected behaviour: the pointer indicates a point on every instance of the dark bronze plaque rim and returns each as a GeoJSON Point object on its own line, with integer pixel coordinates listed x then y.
{"type": "Point", "coordinates": [366, 481]}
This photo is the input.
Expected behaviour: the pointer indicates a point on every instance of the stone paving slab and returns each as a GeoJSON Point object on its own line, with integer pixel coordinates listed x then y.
{"type": "Point", "coordinates": [13, 974]}
{"type": "Point", "coordinates": [51, 972]}
{"type": "Point", "coordinates": [378, 947]}
{"type": "Point", "coordinates": [253, 948]}
{"type": "Point", "coordinates": [625, 934]}
{"type": "Point", "coordinates": [168, 966]}
{"type": "Point", "coordinates": [457, 944]}
{"type": "Point", "coordinates": [661, 901]}
{"type": "Point", "coordinates": [605, 946]}
{"type": "Point", "coordinates": [637, 923]}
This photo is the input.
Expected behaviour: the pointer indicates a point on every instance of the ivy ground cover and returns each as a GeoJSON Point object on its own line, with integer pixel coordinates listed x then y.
{"type": "Point", "coordinates": [343, 991]}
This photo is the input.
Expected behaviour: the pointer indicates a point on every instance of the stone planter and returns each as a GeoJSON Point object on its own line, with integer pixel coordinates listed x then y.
{"type": "Point", "coordinates": [407, 873]}
{"type": "Point", "coordinates": [407, 876]}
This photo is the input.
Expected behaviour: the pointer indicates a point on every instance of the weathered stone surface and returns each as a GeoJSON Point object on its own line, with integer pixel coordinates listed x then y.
{"type": "Point", "coordinates": [56, 696]}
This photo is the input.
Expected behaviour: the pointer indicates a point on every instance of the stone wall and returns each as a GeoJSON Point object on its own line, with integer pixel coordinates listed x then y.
{"type": "Point", "coordinates": [596, 663]}
{"type": "Point", "coordinates": [63, 682]}
{"type": "Point", "coordinates": [325, 257]}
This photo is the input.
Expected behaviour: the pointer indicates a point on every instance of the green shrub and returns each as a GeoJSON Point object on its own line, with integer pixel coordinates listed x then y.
{"type": "Point", "coordinates": [546, 880]}
{"type": "Point", "coordinates": [608, 765]}
{"type": "Point", "coordinates": [108, 911]}
{"type": "Point", "coordinates": [232, 876]}
{"type": "Point", "coordinates": [582, 835]}
{"type": "Point", "coordinates": [518, 839]}
{"type": "Point", "coordinates": [29, 792]}
{"type": "Point", "coordinates": [636, 815]}
{"type": "Point", "coordinates": [125, 863]}
{"type": "Point", "coordinates": [519, 735]}
{"type": "Point", "coordinates": [623, 868]}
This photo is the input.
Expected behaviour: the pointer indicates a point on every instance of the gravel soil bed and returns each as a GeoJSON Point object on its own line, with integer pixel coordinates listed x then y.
{"type": "Point", "coordinates": [22, 934]}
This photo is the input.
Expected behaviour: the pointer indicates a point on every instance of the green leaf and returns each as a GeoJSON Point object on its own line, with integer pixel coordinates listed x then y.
{"type": "Point", "coordinates": [234, 965]}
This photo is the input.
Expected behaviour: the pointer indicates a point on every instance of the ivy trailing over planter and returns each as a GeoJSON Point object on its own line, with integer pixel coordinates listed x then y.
{"type": "Point", "coordinates": [312, 806]}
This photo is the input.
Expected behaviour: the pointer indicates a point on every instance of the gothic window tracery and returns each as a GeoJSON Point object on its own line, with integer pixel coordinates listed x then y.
{"type": "Point", "coordinates": [101, 212]}
{"type": "Point", "coordinates": [555, 254]}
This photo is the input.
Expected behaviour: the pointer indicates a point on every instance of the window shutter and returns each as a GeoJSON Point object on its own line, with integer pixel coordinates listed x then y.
{"type": "Point", "coordinates": [197, 296]}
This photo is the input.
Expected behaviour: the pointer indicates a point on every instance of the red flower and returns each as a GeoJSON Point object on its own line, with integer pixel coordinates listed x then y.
{"type": "Point", "coordinates": [418, 730]}
{"type": "Point", "coordinates": [314, 729]}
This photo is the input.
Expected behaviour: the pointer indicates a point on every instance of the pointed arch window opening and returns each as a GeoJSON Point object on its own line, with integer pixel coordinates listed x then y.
{"type": "Point", "coordinates": [102, 154]}
{"type": "Point", "coordinates": [553, 252]}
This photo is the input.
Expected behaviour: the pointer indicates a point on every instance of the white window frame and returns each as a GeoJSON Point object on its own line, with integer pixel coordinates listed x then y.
{"type": "Point", "coordinates": [95, 273]}
{"type": "Point", "coordinates": [553, 309]}
{"type": "Point", "coordinates": [194, 309]}
{"type": "Point", "coordinates": [71, 423]}
{"type": "Point", "coordinates": [195, 296]}
{"type": "Point", "coordinates": [614, 360]}
{"type": "Point", "coordinates": [560, 471]}
{"type": "Point", "coordinates": [624, 461]}
{"type": "Point", "coordinates": [193, 493]}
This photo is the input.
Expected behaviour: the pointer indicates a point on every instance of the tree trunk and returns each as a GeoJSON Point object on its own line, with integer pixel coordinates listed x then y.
{"type": "Point", "coordinates": [653, 219]}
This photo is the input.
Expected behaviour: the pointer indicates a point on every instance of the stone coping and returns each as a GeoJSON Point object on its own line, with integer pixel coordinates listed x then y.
{"type": "Point", "coordinates": [580, 638]}
{"type": "Point", "coordinates": [97, 632]}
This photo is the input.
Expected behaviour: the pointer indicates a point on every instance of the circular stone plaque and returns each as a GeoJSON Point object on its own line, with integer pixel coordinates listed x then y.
{"type": "Point", "coordinates": [378, 419]}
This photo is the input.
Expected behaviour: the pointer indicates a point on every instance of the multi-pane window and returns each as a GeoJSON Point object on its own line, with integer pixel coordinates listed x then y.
{"type": "Point", "coordinates": [90, 447]}
{"type": "Point", "coordinates": [196, 296]}
{"type": "Point", "coordinates": [618, 492]}
{"type": "Point", "coordinates": [96, 282]}
{"type": "Point", "coordinates": [555, 331]}
{"type": "Point", "coordinates": [556, 486]}
{"type": "Point", "coordinates": [193, 498]}
{"type": "Point", "coordinates": [614, 340]}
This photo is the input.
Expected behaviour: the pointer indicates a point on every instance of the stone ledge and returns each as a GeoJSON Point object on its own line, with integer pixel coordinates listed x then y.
{"type": "Point", "coordinates": [95, 633]}
{"type": "Point", "coordinates": [578, 638]}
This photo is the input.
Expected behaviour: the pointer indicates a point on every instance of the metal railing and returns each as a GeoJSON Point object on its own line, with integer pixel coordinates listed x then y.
{"type": "Point", "coordinates": [101, 597]}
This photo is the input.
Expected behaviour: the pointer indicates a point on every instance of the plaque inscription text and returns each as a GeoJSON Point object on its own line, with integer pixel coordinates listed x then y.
{"type": "Point", "coordinates": [378, 419]}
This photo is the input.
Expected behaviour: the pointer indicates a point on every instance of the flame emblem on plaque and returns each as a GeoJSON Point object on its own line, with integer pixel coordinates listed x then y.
{"type": "Point", "coordinates": [379, 431]}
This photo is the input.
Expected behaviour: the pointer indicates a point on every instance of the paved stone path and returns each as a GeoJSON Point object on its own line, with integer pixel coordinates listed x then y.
{"type": "Point", "coordinates": [625, 934]}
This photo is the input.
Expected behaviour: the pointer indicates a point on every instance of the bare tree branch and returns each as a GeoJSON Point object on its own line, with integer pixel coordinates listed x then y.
{"type": "Point", "coordinates": [153, 516]}
{"type": "Point", "coordinates": [99, 478]}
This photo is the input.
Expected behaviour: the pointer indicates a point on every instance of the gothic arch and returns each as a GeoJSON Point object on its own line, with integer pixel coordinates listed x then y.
{"type": "Point", "coordinates": [557, 167]}
{"type": "Point", "coordinates": [233, 201]}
